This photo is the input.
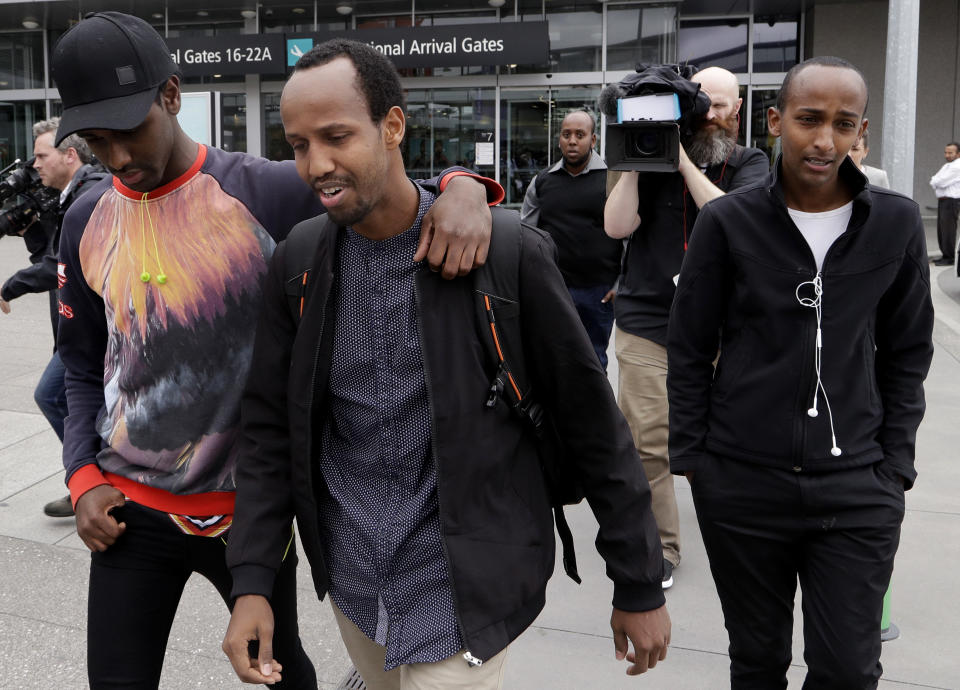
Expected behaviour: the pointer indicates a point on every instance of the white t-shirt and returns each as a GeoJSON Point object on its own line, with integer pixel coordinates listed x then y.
{"type": "Point", "coordinates": [821, 229]}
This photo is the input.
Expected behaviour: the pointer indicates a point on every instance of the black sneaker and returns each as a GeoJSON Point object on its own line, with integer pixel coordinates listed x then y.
{"type": "Point", "coordinates": [943, 262]}
{"type": "Point", "coordinates": [62, 507]}
{"type": "Point", "coordinates": [667, 574]}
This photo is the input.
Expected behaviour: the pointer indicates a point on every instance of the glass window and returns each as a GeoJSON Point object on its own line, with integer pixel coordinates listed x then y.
{"type": "Point", "coordinates": [444, 128]}
{"type": "Point", "coordinates": [275, 146]}
{"type": "Point", "coordinates": [16, 129]}
{"type": "Point", "coordinates": [760, 136]}
{"type": "Point", "coordinates": [298, 18]}
{"type": "Point", "coordinates": [233, 122]}
{"type": "Point", "coordinates": [21, 60]}
{"type": "Point", "coordinates": [640, 35]}
{"type": "Point", "coordinates": [714, 43]}
{"type": "Point", "coordinates": [524, 135]}
{"type": "Point", "coordinates": [526, 10]}
{"type": "Point", "coordinates": [576, 38]}
{"type": "Point", "coordinates": [775, 44]}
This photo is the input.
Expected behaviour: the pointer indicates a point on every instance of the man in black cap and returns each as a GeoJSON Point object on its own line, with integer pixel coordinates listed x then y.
{"type": "Point", "coordinates": [160, 284]}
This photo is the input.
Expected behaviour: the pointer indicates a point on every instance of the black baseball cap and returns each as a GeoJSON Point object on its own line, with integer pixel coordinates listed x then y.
{"type": "Point", "coordinates": [108, 68]}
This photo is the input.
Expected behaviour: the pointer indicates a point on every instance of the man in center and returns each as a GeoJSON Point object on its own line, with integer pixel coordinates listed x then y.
{"type": "Point", "coordinates": [423, 512]}
{"type": "Point", "coordinates": [656, 211]}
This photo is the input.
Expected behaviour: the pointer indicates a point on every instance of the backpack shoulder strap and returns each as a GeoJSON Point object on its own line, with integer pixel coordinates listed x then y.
{"type": "Point", "coordinates": [499, 277]}
{"type": "Point", "coordinates": [300, 250]}
{"type": "Point", "coordinates": [497, 285]}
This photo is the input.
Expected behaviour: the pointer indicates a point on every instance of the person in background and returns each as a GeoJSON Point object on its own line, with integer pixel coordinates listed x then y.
{"type": "Point", "coordinates": [567, 202]}
{"type": "Point", "coordinates": [66, 167]}
{"type": "Point", "coordinates": [858, 152]}
{"type": "Point", "coordinates": [946, 185]}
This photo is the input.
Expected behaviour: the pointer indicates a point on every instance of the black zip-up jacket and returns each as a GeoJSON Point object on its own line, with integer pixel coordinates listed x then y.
{"type": "Point", "coordinates": [496, 524]}
{"type": "Point", "coordinates": [737, 290]}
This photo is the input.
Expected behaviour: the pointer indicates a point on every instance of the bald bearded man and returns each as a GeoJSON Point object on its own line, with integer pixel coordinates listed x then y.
{"type": "Point", "coordinates": [656, 211]}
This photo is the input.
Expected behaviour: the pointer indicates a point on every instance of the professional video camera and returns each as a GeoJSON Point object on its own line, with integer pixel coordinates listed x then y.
{"type": "Point", "coordinates": [23, 197]}
{"type": "Point", "coordinates": [647, 111]}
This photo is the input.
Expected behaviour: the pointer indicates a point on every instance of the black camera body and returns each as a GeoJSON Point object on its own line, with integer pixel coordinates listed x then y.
{"type": "Point", "coordinates": [24, 198]}
{"type": "Point", "coordinates": [652, 146]}
{"type": "Point", "coordinates": [649, 140]}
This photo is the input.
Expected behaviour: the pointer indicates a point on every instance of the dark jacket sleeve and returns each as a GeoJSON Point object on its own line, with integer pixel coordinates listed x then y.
{"type": "Point", "coordinates": [39, 277]}
{"type": "Point", "coordinates": [693, 339]}
{"type": "Point", "coordinates": [264, 507]}
{"type": "Point", "coordinates": [904, 341]}
{"type": "Point", "coordinates": [576, 393]}
{"type": "Point", "coordinates": [41, 274]}
{"type": "Point", "coordinates": [754, 166]}
{"type": "Point", "coordinates": [81, 342]}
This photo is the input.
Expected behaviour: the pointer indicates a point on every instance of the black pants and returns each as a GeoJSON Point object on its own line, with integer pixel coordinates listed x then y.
{"type": "Point", "coordinates": [837, 532]}
{"type": "Point", "coordinates": [136, 585]}
{"type": "Point", "coordinates": [948, 211]}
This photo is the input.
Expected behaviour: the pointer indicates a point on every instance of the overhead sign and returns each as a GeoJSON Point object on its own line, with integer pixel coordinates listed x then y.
{"type": "Point", "coordinates": [456, 45]}
{"type": "Point", "coordinates": [229, 54]}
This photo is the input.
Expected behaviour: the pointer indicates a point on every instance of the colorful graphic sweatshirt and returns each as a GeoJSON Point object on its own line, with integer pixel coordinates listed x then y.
{"type": "Point", "coordinates": [159, 294]}
{"type": "Point", "coordinates": [158, 300]}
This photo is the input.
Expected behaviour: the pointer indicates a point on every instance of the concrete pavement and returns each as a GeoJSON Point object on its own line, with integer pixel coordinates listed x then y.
{"type": "Point", "coordinates": [43, 564]}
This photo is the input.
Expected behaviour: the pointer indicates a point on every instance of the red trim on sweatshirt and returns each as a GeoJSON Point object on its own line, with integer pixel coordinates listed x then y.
{"type": "Point", "coordinates": [210, 503]}
{"type": "Point", "coordinates": [170, 186]}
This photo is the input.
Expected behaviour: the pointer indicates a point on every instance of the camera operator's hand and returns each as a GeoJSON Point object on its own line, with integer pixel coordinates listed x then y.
{"type": "Point", "coordinates": [95, 525]}
{"type": "Point", "coordinates": [4, 306]}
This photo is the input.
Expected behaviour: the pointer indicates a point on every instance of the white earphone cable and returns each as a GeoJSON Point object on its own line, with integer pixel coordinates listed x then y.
{"type": "Point", "coordinates": [816, 303]}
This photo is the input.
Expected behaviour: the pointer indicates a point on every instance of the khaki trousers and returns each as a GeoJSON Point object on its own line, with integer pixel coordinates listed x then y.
{"type": "Point", "coordinates": [453, 672]}
{"type": "Point", "coordinates": [643, 400]}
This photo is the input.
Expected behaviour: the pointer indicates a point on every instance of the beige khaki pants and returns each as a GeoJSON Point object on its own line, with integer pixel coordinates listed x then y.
{"type": "Point", "coordinates": [643, 400]}
{"type": "Point", "coordinates": [453, 672]}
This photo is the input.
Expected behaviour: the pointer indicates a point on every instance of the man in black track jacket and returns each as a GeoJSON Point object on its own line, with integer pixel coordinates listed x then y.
{"type": "Point", "coordinates": [815, 289]}
{"type": "Point", "coordinates": [423, 512]}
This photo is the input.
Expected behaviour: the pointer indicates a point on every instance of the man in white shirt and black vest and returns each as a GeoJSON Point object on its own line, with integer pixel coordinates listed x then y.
{"type": "Point", "coordinates": [946, 185]}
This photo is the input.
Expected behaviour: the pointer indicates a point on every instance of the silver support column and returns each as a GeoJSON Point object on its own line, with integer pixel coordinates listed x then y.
{"type": "Point", "coordinates": [254, 116]}
{"type": "Point", "coordinates": [254, 109]}
{"type": "Point", "coordinates": [900, 93]}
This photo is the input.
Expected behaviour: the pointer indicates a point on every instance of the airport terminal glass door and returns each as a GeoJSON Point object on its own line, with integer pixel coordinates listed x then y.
{"type": "Point", "coordinates": [529, 124]}
{"type": "Point", "coordinates": [762, 98]}
{"type": "Point", "coordinates": [16, 129]}
{"type": "Point", "coordinates": [449, 127]}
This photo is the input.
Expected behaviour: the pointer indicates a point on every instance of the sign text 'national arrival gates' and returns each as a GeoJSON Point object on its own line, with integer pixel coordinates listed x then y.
{"type": "Point", "coordinates": [458, 45]}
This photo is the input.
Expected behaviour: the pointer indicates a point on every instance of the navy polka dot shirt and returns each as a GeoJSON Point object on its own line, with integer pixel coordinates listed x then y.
{"type": "Point", "coordinates": [381, 527]}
